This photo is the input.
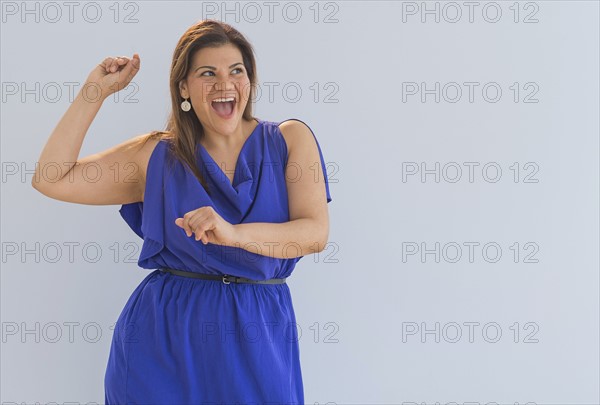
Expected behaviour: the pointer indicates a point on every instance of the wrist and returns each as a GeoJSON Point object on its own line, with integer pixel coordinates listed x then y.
{"type": "Point", "coordinates": [236, 236]}
{"type": "Point", "coordinates": [91, 92]}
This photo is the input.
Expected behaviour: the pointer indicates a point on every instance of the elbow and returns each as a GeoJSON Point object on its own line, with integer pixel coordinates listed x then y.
{"type": "Point", "coordinates": [323, 237]}
{"type": "Point", "coordinates": [315, 235]}
{"type": "Point", "coordinates": [37, 180]}
{"type": "Point", "coordinates": [41, 187]}
{"type": "Point", "coordinates": [323, 244]}
{"type": "Point", "coordinates": [35, 184]}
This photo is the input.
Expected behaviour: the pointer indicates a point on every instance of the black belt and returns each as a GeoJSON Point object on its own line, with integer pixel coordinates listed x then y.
{"type": "Point", "coordinates": [225, 278]}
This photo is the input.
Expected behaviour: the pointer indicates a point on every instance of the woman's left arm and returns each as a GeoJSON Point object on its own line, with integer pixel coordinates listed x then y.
{"type": "Point", "coordinates": [307, 230]}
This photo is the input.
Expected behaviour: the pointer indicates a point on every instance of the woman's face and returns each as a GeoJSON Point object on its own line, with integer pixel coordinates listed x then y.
{"type": "Point", "coordinates": [217, 73]}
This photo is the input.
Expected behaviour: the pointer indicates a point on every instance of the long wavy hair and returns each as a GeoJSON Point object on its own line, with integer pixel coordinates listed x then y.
{"type": "Point", "coordinates": [183, 130]}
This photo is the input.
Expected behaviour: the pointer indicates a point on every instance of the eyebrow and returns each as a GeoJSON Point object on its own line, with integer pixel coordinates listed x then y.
{"type": "Point", "coordinates": [214, 68]}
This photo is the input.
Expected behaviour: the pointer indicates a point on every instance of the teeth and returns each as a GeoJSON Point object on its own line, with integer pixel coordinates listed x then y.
{"type": "Point", "coordinates": [223, 100]}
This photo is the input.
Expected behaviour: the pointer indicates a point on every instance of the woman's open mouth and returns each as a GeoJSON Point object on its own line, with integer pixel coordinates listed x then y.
{"type": "Point", "coordinates": [224, 107]}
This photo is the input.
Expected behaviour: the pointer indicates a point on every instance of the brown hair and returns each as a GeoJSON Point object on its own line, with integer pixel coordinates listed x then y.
{"type": "Point", "coordinates": [183, 129]}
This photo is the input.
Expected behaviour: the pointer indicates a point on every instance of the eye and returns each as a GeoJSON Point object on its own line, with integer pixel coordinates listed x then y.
{"type": "Point", "coordinates": [210, 71]}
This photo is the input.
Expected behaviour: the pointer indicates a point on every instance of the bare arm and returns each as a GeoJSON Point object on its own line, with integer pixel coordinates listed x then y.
{"type": "Point", "coordinates": [282, 241]}
{"type": "Point", "coordinates": [108, 177]}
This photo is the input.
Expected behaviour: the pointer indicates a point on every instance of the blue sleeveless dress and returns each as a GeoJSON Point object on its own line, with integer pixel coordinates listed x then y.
{"type": "Point", "coordinates": [182, 340]}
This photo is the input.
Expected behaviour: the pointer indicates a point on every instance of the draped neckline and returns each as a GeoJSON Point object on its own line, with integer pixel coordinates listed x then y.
{"type": "Point", "coordinates": [232, 184]}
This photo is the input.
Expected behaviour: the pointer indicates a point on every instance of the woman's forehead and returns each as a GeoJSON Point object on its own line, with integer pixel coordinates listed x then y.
{"type": "Point", "coordinates": [224, 54]}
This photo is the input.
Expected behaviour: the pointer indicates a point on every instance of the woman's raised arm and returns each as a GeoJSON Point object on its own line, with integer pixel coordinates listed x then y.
{"type": "Point", "coordinates": [112, 176]}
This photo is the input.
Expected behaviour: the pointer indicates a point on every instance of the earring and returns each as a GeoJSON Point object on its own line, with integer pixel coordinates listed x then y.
{"type": "Point", "coordinates": [185, 105]}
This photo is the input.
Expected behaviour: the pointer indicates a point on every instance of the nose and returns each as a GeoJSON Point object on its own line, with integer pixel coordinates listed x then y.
{"type": "Point", "coordinates": [223, 84]}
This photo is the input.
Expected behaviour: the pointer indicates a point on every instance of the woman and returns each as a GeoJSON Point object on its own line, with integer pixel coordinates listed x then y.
{"type": "Point", "coordinates": [226, 205]}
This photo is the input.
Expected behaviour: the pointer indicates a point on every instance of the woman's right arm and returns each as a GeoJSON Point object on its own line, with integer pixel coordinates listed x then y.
{"type": "Point", "coordinates": [112, 176]}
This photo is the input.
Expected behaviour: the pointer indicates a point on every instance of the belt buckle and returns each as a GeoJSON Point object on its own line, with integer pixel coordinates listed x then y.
{"type": "Point", "coordinates": [225, 281]}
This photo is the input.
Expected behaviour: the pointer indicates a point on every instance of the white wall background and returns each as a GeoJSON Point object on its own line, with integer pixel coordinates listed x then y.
{"type": "Point", "coordinates": [536, 281]}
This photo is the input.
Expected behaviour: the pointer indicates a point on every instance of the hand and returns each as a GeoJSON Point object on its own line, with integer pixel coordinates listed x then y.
{"type": "Point", "coordinates": [113, 74]}
{"type": "Point", "coordinates": [208, 226]}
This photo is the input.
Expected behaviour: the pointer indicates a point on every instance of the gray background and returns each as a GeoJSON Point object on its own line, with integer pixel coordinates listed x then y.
{"type": "Point", "coordinates": [355, 300]}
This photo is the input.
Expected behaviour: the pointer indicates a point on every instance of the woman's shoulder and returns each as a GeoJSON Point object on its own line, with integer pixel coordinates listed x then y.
{"type": "Point", "coordinates": [294, 131]}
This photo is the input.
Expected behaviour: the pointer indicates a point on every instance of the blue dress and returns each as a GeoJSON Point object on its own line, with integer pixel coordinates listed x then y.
{"type": "Point", "coordinates": [182, 340]}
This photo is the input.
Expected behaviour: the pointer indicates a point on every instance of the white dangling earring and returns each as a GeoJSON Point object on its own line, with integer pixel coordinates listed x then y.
{"type": "Point", "coordinates": [185, 105]}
